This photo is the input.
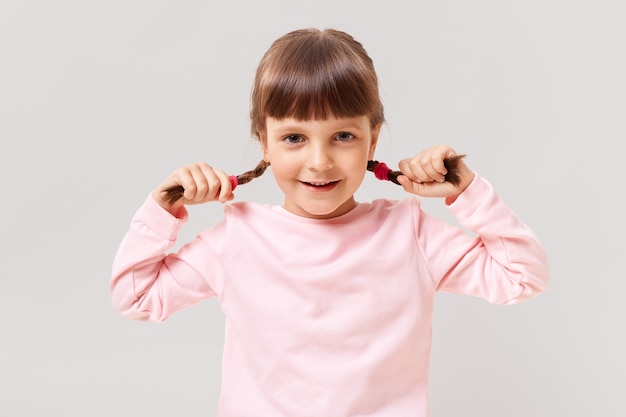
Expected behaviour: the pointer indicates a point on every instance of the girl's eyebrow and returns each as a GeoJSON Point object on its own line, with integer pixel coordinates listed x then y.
{"type": "Point", "coordinates": [349, 126]}
{"type": "Point", "coordinates": [339, 127]}
{"type": "Point", "coordinates": [287, 128]}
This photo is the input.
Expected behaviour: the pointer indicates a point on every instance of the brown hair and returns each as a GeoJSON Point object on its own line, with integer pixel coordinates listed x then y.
{"type": "Point", "coordinates": [314, 74]}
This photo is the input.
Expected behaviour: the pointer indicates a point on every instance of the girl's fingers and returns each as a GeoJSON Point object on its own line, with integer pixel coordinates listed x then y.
{"type": "Point", "coordinates": [201, 183]}
{"type": "Point", "coordinates": [435, 168]}
{"type": "Point", "coordinates": [220, 187]}
{"type": "Point", "coordinates": [198, 186]}
{"type": "Point", "coordinates": [427, 166]}
{"type": "Point", "coordinates": [206, 182]}
{"type": "Point", "coordinates": [427, 188]}
{"type": "Point", "coordinates": [417, 170]}
{"type": "Point", "coordinates": [425, 174]}
{"type": "Point", "coordinates": [411, 170]}
{"type": "Point", "coordinates": [184, 177]}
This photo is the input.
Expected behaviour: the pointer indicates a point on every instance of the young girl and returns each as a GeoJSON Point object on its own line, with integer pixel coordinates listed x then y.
{"type": "Point", "coordinates": [328, 301]}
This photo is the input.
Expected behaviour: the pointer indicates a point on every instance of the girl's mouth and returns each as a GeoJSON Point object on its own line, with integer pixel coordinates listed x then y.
{"type": "Point", "coordinates": [321, 185]}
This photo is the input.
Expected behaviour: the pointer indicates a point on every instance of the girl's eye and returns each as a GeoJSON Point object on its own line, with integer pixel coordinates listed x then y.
{"type": "Point", "coordinates": [293, 139]}
{"type": "Point", "coordinates": [344, 136]}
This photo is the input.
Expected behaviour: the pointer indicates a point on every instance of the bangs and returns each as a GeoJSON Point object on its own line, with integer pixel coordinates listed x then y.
{"type": "Point", "coordinates": [319, 90]}
{"type": "Point", "coordinates": [314, 78]}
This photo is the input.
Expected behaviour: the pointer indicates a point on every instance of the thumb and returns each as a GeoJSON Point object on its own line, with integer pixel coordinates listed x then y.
{"type": "Point", "coordinates": [408, 185]}
{"type": "Point", "coordinates": [426, 189]}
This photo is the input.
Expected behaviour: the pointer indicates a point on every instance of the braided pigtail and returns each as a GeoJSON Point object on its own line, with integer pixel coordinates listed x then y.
{"type": "Point", "coordinates": [175, 192]}
{"type": "Point", "coordinates": [384, 173]}
{"type": "Point", "coordinates": [248, 176]}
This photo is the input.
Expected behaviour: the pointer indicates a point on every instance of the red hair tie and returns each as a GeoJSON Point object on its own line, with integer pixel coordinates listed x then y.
{"type": "Point", "coordinates": [381, 171]}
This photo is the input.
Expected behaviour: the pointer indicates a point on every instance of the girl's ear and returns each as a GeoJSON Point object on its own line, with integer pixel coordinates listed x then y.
{"type": "Point", "coordinates": [375, 133]}
{"type": "Point", "coordinates": [263, 142]}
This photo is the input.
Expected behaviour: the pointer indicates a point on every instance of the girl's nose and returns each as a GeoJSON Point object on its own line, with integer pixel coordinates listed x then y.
{"type": "Point", "coordinates": [319, 159]}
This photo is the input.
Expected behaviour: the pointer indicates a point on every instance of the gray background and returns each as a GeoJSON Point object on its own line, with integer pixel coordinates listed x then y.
{"type": "Point", "coordinates": [99, 101]}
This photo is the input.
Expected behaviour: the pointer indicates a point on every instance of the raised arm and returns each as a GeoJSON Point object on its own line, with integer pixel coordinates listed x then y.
{"type": "Point", "coordinates": [503, 263]}
{"type": "Point", "coordinates": [148, 283]}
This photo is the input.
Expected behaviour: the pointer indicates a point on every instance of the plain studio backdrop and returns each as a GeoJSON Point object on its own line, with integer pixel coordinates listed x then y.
{"type": "Point", "coordinates": [99, 101]}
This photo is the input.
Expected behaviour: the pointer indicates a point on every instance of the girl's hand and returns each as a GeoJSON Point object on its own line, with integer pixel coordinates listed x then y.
{"type": "Point", "coordinates": [201, 183]}
{"type": "Point", "coordinates": [424, 174]}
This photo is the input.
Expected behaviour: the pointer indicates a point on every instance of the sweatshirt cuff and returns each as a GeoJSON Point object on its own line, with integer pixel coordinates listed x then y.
{"type": "Point", "coordinates": [160, 220]}
{"type": "Point", "coordinates": [476, 194]}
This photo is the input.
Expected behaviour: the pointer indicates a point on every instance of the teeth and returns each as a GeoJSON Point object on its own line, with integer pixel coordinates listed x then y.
{"type": "Point", "coordinates": [319, 183]}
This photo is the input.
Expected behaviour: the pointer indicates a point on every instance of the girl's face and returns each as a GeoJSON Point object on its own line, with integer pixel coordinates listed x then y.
{"type": "Point", "coordinates": [319, 164]}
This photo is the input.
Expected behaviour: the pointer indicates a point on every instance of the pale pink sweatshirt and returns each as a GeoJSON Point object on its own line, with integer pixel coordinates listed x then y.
{"type": "Point", "coordinates": [331, 317]}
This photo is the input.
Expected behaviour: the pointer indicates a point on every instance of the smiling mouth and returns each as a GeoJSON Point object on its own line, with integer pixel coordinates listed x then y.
{"type": "Point", "coordinates": [320, 184]}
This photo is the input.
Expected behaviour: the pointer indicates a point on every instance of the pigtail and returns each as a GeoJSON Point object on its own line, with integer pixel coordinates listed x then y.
{"type": "Point", "coordinates": [384, 173]}
{"type": "Point", "coordinates": [172, 194]}
{"type": "Point", "coordinates": [248, 176]}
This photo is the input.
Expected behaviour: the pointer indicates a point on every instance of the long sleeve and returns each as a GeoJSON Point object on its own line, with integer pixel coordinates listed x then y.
{"type": "Point", "coordinates": [503, 263]}
{"type": "Point", "coordinates": [149, 284]}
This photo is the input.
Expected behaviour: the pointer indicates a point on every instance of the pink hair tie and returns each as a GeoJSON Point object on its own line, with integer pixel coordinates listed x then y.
{"type": "Point", "coordinates": [233, 182]}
